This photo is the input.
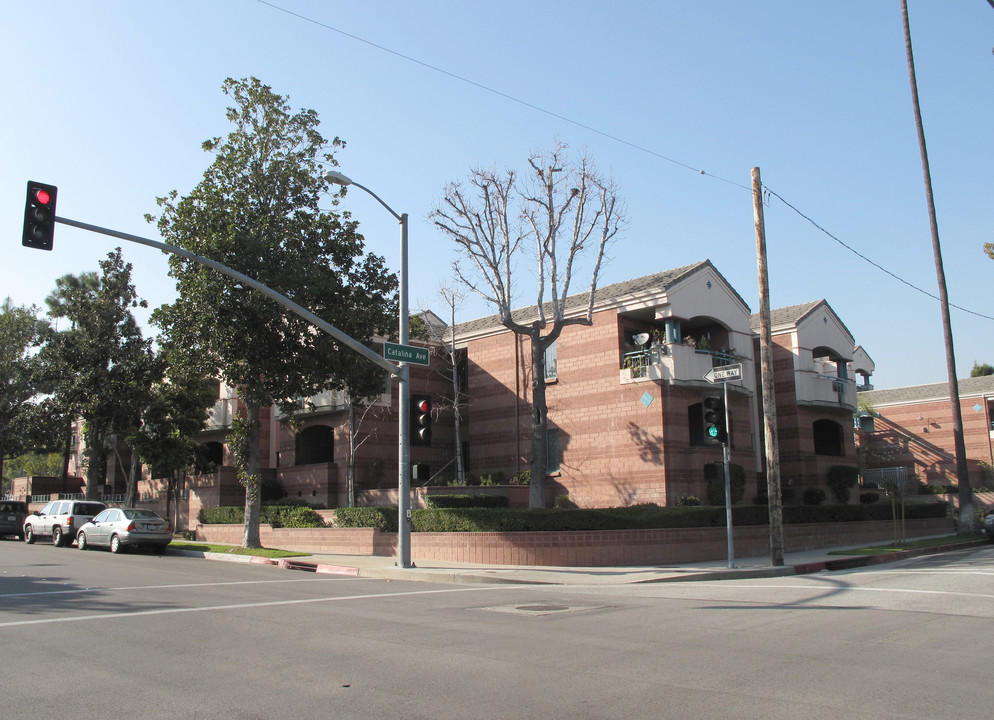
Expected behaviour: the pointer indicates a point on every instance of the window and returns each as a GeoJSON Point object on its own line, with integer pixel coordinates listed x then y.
{"type": "Point", "coordinates": [552, 450]}
{"type": "Point", "coordinates": [551, 360]}
{"type": "Point", "coordinates": [828, 438]}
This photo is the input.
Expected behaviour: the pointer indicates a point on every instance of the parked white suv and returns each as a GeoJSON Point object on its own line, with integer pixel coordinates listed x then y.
{"type": "Point", "coordinates": [60, 520]}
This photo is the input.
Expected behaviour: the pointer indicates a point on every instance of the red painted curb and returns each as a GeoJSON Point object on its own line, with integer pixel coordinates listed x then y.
{"type": "Point", "coordinates": [337, 570]}
{"type": "Point", "coordinates": [256, 560]}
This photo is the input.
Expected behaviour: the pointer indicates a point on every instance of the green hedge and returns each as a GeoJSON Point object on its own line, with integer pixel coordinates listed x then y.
{"type": "Point", "coordinates": [384, 518]}
{"type": "Point", "coordinates": [291, 516]}
{"type": "Point", "coordinates": [475, 519]}
{"type": "Point", "coordinates": [467, 501]}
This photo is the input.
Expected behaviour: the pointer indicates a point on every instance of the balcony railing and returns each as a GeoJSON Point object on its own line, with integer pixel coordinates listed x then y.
{"type": "Point", "coordinates": [674, 361]}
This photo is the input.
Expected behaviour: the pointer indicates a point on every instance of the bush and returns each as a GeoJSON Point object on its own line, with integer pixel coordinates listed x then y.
{"type": "Point", "coordinates": [562, 502]}
{"type": "Point", "coordinates": [937, 489]}
{"type": "Point", "coordinates": [466, 501]}
{"type": "Point", "coordinates": [492, 478]}
{"type": "Point", "coordinates": [275, 515]}
{"type": "Point", "coordinates": [868, 498]}
{"type": "Point", "coordinates": [522, 478]}
{"type": "Point", "coordinates": [841, 480]}
{"type": "Point", "coordinates": [384, 518]}
{"type": "Point", "coordinates": [714, 474]}
{"type": "Point", "coordinates": [688, 501]}
{"type": "Point", "coordinates": [813, 496]}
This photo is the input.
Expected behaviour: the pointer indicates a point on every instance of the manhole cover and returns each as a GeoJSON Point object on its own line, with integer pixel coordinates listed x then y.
{"type": "Point", "coordinates": [539, 609]}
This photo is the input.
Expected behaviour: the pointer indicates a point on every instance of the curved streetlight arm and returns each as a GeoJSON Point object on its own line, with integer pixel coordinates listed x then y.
{"type": "Point", "coordinates": [333, 176]}
{"type": "Point", "coordinates": [255, 284]}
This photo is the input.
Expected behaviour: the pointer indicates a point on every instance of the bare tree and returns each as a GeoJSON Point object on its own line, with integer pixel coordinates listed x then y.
{"type": "Point", "coordinates": [564, 211]}
{"type": "Point", "coordinates": [452, 297]}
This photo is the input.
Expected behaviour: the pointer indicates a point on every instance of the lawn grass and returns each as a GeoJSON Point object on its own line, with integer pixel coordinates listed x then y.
{"type": "Point", "coordinates": [923, 543]}
{"type": "Point", "coordinates": [235, 550]}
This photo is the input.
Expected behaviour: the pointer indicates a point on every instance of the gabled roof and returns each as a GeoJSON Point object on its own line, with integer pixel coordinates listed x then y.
{"type": "Point", "coordinates": [603, 297]}
{"type": "Point", "coordinates": [983, 385]}
{"type": "Point", "coordinates": [793, 315]}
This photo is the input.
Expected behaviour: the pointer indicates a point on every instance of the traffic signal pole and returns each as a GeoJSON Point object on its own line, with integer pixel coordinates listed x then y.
{"type": "Point", "coordinates": [725, 456]}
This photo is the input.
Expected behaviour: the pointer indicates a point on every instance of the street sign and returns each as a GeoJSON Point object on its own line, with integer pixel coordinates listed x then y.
{"type": "Point", "coordinates": [723, 374]}
{"type": "Point", "coordinates": [405, 353]}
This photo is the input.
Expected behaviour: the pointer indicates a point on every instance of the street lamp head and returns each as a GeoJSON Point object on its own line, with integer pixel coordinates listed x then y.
{"type": "Point", "coordinates": [333, 176]}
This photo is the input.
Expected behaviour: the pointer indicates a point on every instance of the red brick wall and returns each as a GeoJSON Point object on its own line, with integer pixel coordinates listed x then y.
{"type": "Point", "coordinates": [576, 549]}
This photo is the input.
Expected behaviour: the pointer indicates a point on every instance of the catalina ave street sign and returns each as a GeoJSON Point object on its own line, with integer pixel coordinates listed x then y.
{"type": "Point", "coordinates": [724, 373]}
{"type": "Point", "coordinates": [405, 353]}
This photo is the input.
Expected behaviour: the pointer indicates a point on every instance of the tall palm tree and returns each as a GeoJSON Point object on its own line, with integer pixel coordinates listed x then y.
{"type": "Point", "coordinates": [968, 522]}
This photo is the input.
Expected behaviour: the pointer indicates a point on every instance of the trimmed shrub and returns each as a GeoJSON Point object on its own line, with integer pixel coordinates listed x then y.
{"type": "Point", "coordinates": [813, 496]}
{"type": "Point", "coordinates": [714, 474]}
{"type": "Point", "coordinates": [688, 501]}
{"type": "Point", "coordinates": [492, 478]}
{"type": "Point", "coordinates": [275, 515]}
{"type": "Point", "coordinates": [868, 498]}
{"type": "Point", "coordinates": [841, 480]}
{"type": "Point", "coordinates": [562, 502]}
{"type": "Point", "coordinates": [384, 518]}
{"type": "Point", "coordinates": [466, 501]}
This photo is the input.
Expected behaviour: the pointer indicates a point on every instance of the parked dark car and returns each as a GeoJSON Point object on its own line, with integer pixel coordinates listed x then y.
{"type": "Point", "coordinates": [12, 514]}
{"type": "Point", "coordinates": [123, 528]}
{"type": "Point", "coordinates": [989, 525]}
{"type": "Point", "coordinates": [60, 520]}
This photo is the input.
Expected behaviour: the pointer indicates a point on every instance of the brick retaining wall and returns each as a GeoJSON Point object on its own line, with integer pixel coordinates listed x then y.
{"type": "Point", "coordinates": [596, 548]}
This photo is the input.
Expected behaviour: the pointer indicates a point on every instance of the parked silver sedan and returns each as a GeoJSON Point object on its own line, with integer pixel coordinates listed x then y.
{"type": "Point", "coordinates": [122, 528]}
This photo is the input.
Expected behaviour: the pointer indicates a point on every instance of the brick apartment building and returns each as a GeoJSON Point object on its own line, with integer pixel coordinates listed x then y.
{"type": "Point", "coordinates": [624, 397]}
{"type": "Point", "coordinates": [911, 428]}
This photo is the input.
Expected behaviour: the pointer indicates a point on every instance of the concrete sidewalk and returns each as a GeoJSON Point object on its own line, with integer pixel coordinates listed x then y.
{"type": "Point", "coordinates": [367, 566]}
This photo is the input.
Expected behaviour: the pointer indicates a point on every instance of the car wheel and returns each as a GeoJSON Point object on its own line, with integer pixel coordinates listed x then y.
{"type": "Point", "coordinates": [29, 535]}
{"type": "Point", "coordinates": [115, 544]}
{"type": "Point", "coordinates": [57, 536]}
{"type": "Point", "coordinates": [81, 541]}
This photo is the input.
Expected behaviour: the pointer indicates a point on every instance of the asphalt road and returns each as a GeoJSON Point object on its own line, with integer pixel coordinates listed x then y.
{"type": "Point", "coordinates": [95, 635]}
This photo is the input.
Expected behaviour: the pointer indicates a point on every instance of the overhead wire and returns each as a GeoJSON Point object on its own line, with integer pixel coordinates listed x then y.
{"type": "Point", "coordinates": [617, 139]}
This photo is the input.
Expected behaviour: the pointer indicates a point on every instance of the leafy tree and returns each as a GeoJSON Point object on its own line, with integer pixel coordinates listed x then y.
{"type": "Point", "coordinates": [257, 210]}
{"type": "Point", "coordinates": [70, 290]}
{"type": "Point", "coordinates": [981, 370]}
{"type": "Point", "coordinates": [167, 439]}
{"type": "Point", "coordinates": [20, 337]}
{"type": "Point", "coordinates": [99, 368]}
{"type": "Point", "coordinates": [563, 210]}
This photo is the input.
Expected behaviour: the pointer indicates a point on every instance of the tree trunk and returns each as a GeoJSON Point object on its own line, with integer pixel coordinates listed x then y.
{"type": "Point", "coordinates": [253, 500]}
{"type": "Point", "coordinates": [96, 467]}
{"type": "Point", "coordinates": [968, 522]}
{"type": "Point", "coordinates": [537, 461]}
{"type": "Point", "coordinates": [132, 499]}
{"type": "Point", "coordinates": [350, 466]}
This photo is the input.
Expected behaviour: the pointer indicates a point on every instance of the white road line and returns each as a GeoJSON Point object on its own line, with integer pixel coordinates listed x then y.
{"type": "Point", "coordinates": [242, 606]}
{"type": "Point", "coordinates": [159, 587]}
{"type": "Point", "coordinates": [838, 588]}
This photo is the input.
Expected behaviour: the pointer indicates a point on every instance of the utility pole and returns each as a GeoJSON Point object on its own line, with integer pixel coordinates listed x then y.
{"type": "Point", "coordinates": [968, 522]}
{"type": "Point", "coordinates": [766, 365]}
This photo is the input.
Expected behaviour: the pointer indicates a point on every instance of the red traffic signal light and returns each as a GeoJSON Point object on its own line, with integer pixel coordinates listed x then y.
{"type": "Point", "coordinates": [39, 216]}
{"type": "Point", "coordinates": [421, 420]}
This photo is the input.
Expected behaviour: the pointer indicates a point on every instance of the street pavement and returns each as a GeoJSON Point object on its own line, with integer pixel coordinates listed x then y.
{"type": "Point", "coordinates": [368, 566]}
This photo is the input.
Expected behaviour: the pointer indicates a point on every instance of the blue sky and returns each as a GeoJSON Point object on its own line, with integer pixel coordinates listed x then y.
{"type": "Point", "coordinates": [111, 99]}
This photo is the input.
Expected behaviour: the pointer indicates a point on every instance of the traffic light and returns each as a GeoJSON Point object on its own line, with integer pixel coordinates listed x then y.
{"type": "Point", "coordinates": [39, 216]}
{"type": "Point", "coordinates": [714, 419]}
{"type": "Point", "coordinates": [421, 420]}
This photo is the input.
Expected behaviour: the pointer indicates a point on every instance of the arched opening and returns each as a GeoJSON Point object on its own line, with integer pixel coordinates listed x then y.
{"type": "Point", "coordinates": [315, 444]}
{"type": "Point", "coordinates": [828, 437]}
{"type": "Point", "coordinates": [215, 453]}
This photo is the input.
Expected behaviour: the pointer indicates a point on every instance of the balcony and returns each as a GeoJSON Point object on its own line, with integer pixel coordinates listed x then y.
{"type": "Point", "coordinates": [220, 416]}
{"type": "Point", "coordinates": [672, 362]}
{"type": "Point", "coordinates": [825, 390]}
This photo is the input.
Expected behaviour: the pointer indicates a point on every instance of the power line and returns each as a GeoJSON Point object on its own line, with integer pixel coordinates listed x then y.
{"type": "Point", "coordinates": [609, 136]}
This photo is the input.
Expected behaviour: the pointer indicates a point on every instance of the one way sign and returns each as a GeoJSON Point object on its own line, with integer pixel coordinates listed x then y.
{"type": "Point", "coordinates": [724, 373]}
